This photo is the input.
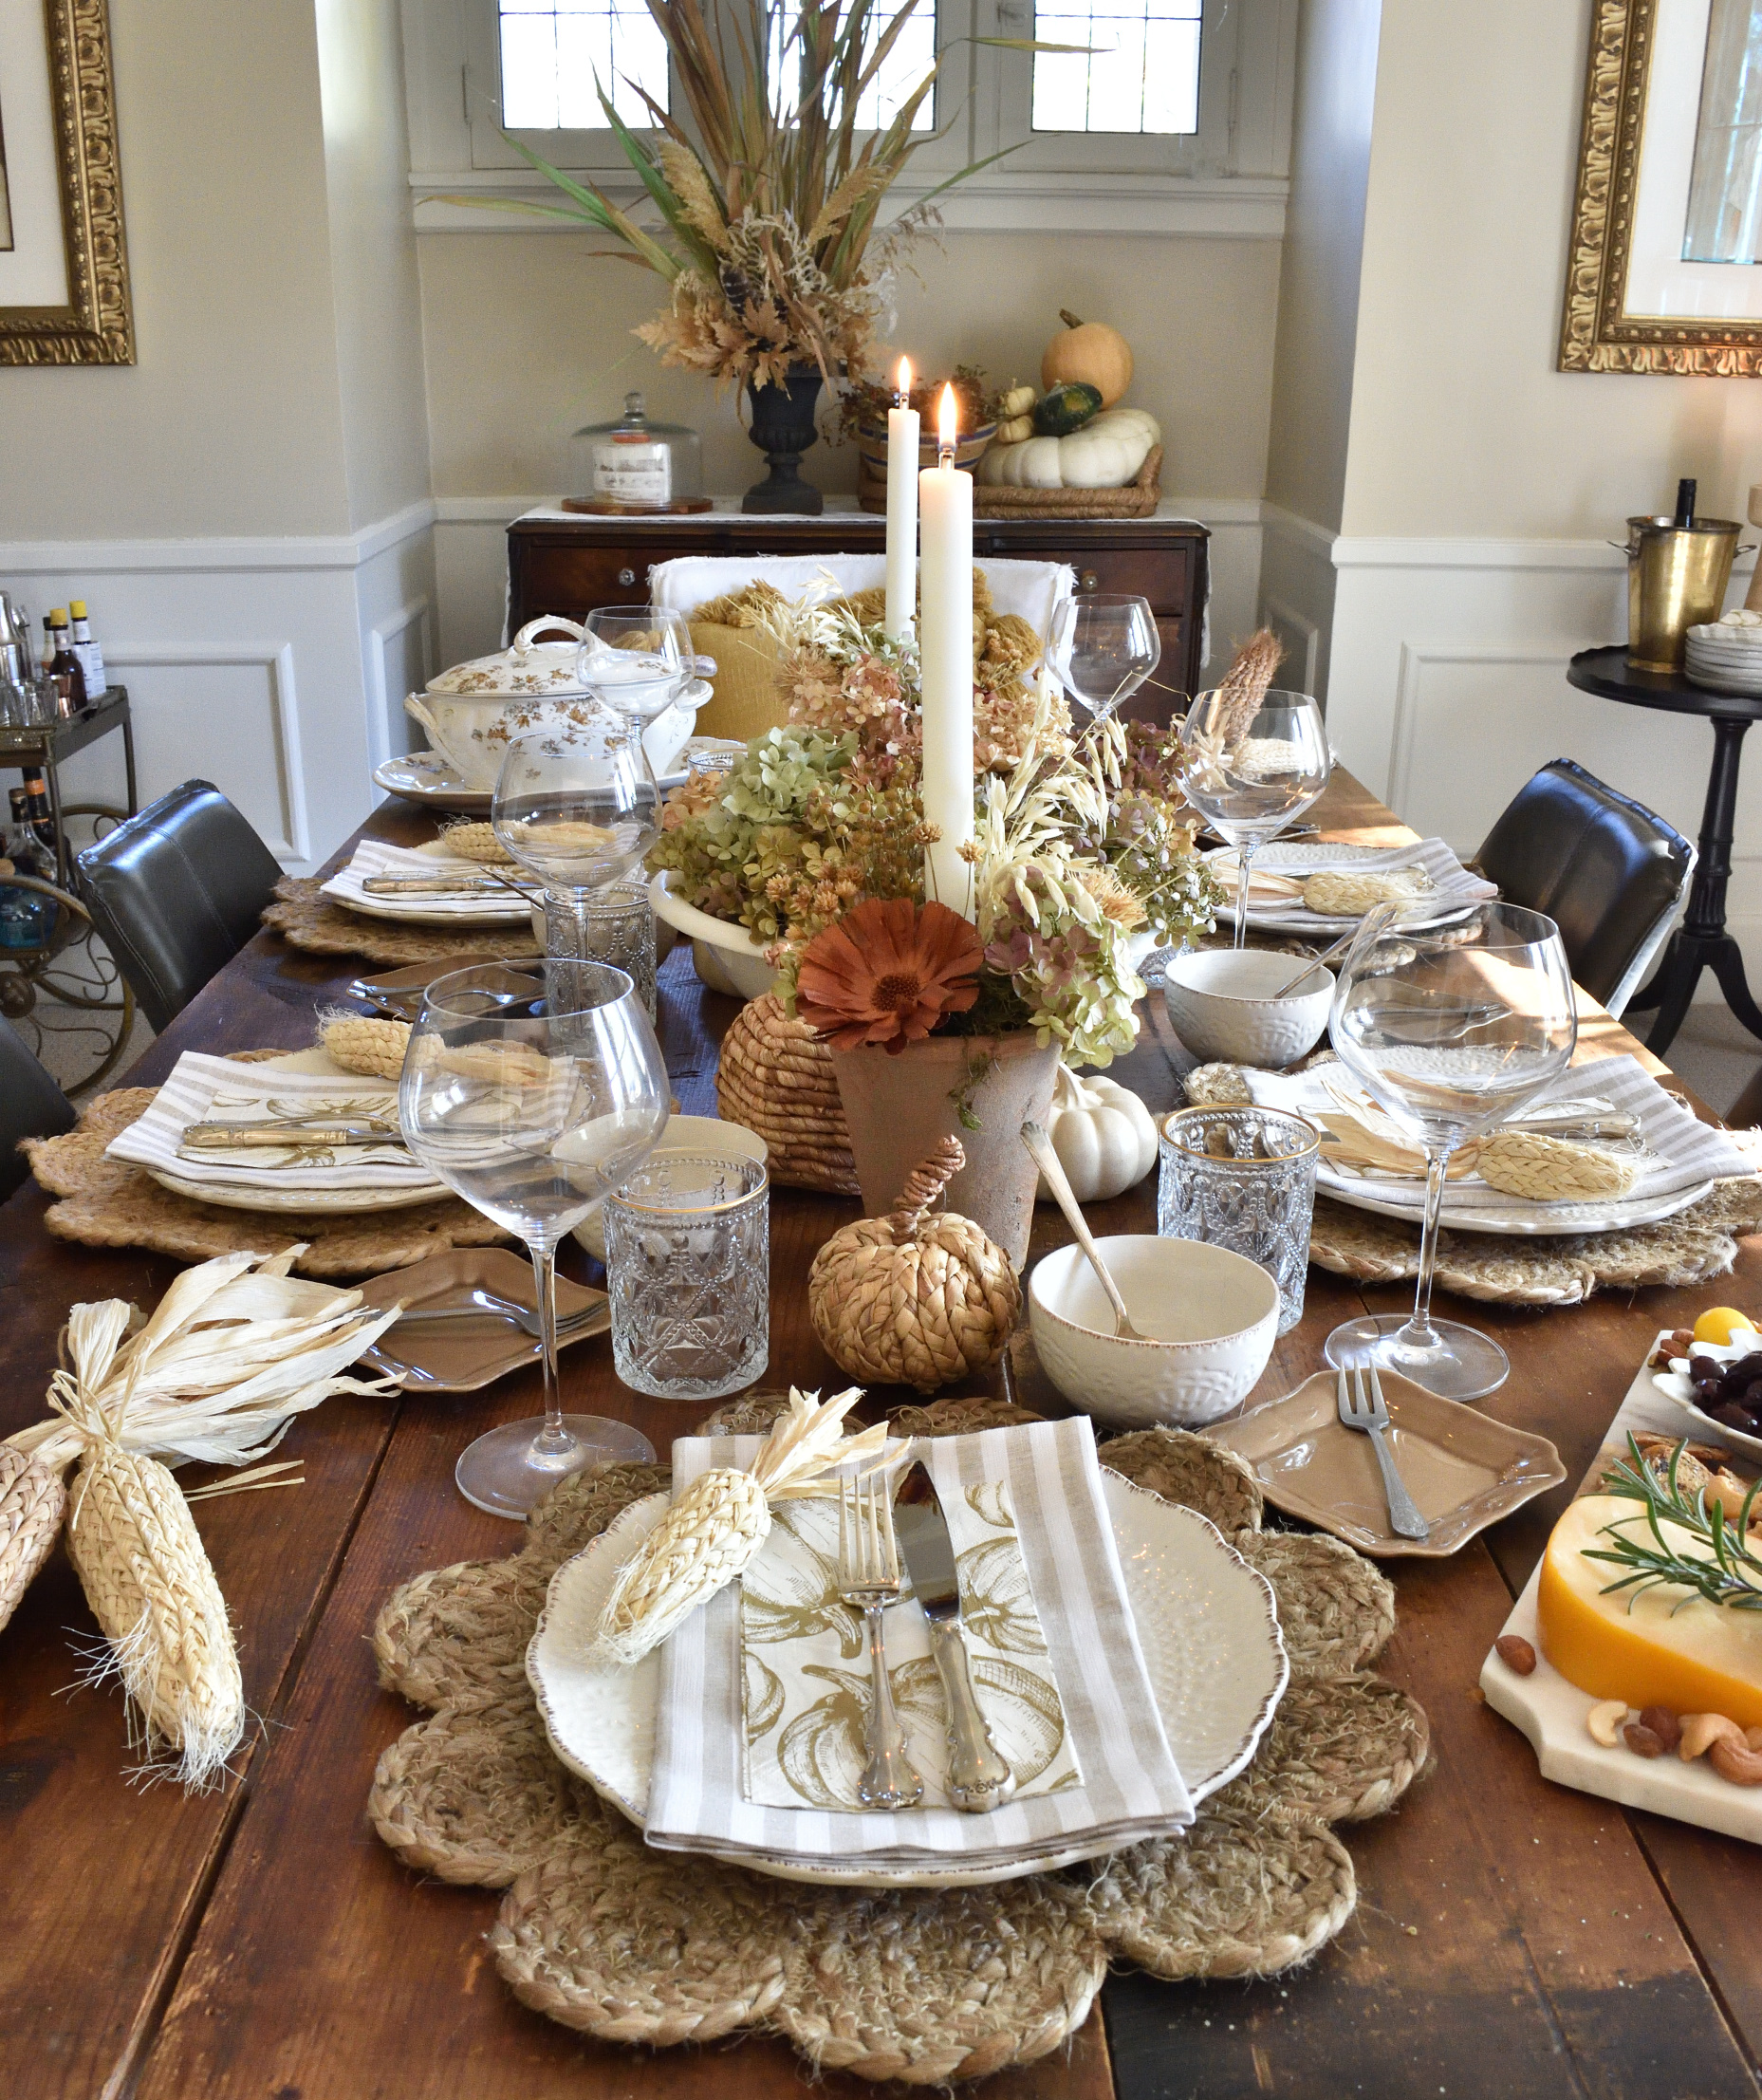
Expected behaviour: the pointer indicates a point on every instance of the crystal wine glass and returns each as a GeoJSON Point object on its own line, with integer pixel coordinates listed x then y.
{"type": "Point", "coordinates": [1452, 1022]}
{"type": "Point", "coordinates": [534, 1107]}
{"type": "Point", "coordinates": [1106, 647]}
{"type": "Point", "coordinates": [578, 806]}
{"type": "Point", "coordinates": [1251, 771]}
{"type": "Point", "coordinates": [636, 659]}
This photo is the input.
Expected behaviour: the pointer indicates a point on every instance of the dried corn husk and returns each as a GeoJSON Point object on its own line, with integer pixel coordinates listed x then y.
{"type": "Point", "coordinates": [1554, 1170]}
{"type": "Point", "coordinates": [32, 1503]}
{"type": "Point", "coordinates": [722, 1519]}
{"type": "Point", "coordinates": [1342, 893]}
{"type": "Point", "coordinates": [373, 1048]}
{"type": "Point", "coordinates": [476, 842]}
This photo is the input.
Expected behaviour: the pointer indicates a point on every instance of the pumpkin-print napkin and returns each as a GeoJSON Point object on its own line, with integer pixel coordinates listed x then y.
{"type": "Point", "coordinates": [1122, 1783]}
{"type": "Point", "coordinates": [805, 1665]}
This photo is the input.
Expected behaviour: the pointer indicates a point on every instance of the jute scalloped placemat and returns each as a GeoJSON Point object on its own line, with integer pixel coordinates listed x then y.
{"type": "Point", "coordinates": [603, 1935]}
{"type": "Point", "coordinates": [109, 1203]}
{"type": "Point", "coordinates": [1511, 1269]}
{"type": "Point", "coordinates": [306, 920]}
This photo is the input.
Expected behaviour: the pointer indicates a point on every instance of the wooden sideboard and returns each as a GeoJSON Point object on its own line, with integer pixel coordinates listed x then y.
{"type": "Point", "coordinates": [568, 566]}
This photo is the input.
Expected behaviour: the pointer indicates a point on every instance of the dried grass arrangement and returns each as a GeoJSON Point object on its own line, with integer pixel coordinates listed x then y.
{"type": "Point", "coordinates": [236, 1349]}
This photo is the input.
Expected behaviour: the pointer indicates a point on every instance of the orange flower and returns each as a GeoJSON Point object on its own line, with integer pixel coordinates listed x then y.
{"type": "Point", "coordinates": [887, 973]}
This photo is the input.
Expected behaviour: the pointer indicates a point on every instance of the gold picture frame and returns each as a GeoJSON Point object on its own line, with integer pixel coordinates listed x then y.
{"type": "Point", "coordinates": [1596, 333]}
{"type": "Point", "coordinates": [95, 325]}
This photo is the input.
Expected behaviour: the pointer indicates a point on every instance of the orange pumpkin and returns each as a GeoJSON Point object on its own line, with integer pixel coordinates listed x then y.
{"type": "Point", "coordinates": [1089, 351]}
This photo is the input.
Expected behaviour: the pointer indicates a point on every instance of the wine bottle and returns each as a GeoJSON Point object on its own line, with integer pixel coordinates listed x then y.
{"type": "Point", "coordinates": [91, 657]}
{"type": "Point", "coordinates": [1686, 501]}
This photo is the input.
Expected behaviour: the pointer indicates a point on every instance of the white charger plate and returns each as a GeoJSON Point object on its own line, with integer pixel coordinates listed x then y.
{"type": "Point", "coordinates": [1530, 1218]}
{"type": "Point", "coordinates": [307, 1202]}
{"type": "Point", "coordinates": [1207, 1622]}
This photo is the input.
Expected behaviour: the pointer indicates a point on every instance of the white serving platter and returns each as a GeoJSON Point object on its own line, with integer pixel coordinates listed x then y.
{"type": "Point", "coordinates": [1207, 1624]}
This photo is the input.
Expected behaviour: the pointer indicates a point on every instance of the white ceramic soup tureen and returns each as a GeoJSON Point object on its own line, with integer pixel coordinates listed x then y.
{"type": "Point", "coordinates": [471, 712]}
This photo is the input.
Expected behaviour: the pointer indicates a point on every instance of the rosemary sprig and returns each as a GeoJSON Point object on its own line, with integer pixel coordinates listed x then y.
{"type": "Point", "coordinates": [1731, 1578]}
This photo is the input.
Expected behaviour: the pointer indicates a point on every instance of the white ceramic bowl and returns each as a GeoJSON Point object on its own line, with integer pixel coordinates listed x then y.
{"type": "Point", "coordinates": [699, 1134]}
{"type": "Point", "coordinates": [1220, 1004]}
{"type": "Point", "coordinates": [726, 957]}
{"type": "Point", "coordinates": [1215, 1313]}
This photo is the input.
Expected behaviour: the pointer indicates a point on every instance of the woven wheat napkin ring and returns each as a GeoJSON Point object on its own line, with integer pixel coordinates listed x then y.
{"type": "Point", "coordinates": [603, 1935]}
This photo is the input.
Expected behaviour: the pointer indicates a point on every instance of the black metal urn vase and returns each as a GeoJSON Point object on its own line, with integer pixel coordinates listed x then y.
{"type": "Point", "coordinates": [782, 428]}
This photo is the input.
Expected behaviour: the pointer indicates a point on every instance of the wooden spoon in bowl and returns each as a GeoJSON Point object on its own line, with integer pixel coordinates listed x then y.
{"type": "Point", "coordinates": [1040, 1146]}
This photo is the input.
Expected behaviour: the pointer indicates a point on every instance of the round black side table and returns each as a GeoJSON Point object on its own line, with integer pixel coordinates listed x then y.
{"type": "Point", "coordinates": [1701, 941]}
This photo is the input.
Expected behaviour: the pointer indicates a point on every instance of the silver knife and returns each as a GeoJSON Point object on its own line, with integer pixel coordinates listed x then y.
{"type": "Point", "coordinates": [218, 1136]}
{"type": "Point", "coordinates": [978, 1779]}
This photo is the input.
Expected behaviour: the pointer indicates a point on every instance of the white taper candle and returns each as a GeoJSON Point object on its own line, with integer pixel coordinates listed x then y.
{"type": "Point", "coordinates": [945, 653]}
{"type": "Point", "coordinates": [902, 442]}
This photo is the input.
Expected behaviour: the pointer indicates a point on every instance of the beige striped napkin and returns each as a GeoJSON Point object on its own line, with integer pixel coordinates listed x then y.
{"type": "Point", "coordinates": [412, 864]}
{"type": "Point", "coordinates": [1129, 1785]}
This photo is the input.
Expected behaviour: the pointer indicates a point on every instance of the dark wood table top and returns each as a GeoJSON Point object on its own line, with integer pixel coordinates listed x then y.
{"type": "Point", "coordinates": [1608, 674]}
{"type": "Point", "coordinates": [260, 1943]}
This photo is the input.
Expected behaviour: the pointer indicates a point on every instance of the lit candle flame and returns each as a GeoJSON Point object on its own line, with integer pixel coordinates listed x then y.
{"type": "Point", "coordinates": [948, 427]}
{"type": "Point", "coordinates": [902, 384]}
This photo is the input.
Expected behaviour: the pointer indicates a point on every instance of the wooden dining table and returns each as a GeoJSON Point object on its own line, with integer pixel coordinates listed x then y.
{"type": "Point", "coordinates": [259, 1943]}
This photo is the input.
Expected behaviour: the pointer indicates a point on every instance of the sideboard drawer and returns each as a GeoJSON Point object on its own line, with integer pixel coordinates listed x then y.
{"type": "Point", "coordinates": [1157, 574]}
{"type": "Point", "coordinates": [573, 579]}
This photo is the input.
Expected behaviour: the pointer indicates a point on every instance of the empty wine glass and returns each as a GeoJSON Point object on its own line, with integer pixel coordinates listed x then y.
{"type": "Point", "coordinates": [578, 805]}
{"type": "Point", "coordinates": [1105, 648]}
{"type": "Point", "coordinates": [636, 659]}
{"type": "Point", "coordinates": [534, 1107]}
{"type": "Point", "coordinates": [1254, 766]}
{"type": "Point", "coordinates": [1453, 1026]}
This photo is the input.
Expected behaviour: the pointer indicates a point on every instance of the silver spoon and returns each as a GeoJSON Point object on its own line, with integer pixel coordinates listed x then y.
{"type": "Point", "coordinates": [1040, 1146]}
{"type": "Point", "coordinates": [1383, 914]}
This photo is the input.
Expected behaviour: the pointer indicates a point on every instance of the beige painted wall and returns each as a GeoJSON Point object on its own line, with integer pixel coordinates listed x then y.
{"type": "Point", "coordinates": [1460, 423]}
{"type": "Point", "coordinates": [373, 257]}
{"type": "Point", "coordinates": [229, 423]}
{"type": "Point", "coordinates": [528, 337]}
{"type": "Point", "coordinates": [1319, 279]}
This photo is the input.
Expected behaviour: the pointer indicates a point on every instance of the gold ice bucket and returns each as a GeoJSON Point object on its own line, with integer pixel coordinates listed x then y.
{"type": "Point", "coordinates": [1677, 576]}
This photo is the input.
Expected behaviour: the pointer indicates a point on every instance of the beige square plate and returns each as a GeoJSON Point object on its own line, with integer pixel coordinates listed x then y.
{"type": "Point", "coordinates": [458, 1356]}
{"type": "Point", "coordinates": [1462, 1468]}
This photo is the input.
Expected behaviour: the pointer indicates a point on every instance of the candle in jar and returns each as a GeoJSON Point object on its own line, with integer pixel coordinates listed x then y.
{"type": "Point", "coordinates": [945, 655]}
{"type": "Point", "coordinates": [901, 509]}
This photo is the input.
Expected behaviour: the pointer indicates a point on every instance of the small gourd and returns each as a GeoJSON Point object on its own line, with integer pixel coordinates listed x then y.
{"type": "Point", "coordinates": [1089, 350]}
{"type": "Point", "coordinates": [1013, 431]}
{"type": "Point", "coordinates": [1103, 1135]}
{"type": "Point", "coordinates": [1066, 408]}
{"type": "Point", "coordinates": [1019, 401]}
{"type": "Point", "coordinates": [920, 1297]}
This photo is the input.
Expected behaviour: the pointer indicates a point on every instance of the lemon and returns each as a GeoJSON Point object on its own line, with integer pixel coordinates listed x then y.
{"type": "Point", "coordinates": [1717, 1322]}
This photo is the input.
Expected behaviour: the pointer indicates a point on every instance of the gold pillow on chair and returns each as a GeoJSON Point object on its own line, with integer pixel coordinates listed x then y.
{"type": "Point", "coordinates": [744, 701]}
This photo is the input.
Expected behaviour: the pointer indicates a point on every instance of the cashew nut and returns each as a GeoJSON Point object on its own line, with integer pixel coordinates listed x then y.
{"type": "Point", "coordinates": [1605, 1722]}
{"type": "Point", "coordinates": [1753, 1738]}
{"type": "Point", "coordinates": [1702, 1731]}
{"type": "Point", "coordinates": [1733, 1760]}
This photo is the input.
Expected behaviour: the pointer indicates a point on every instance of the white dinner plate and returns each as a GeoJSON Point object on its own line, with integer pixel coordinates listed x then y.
{"type": "Point", "coordinates": [1459, 1216]}
{"type": "Point", "coordinates": [1298, 858]}
{"type": "Point", "coordinates": [1207, 1624]}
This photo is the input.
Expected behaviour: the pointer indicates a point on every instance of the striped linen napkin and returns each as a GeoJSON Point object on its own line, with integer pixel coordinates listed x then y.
{"type": "Point", "coordinates": [1683, 1151]}
{"type": "Point", "coordinates": [415, 864]}
{"type": "Point", "coordinates": [1451, 882]}
{"type": "Point", "coordinates": [1130, 1786]}
{"type": "Point", "coordinates": [215, 1089]}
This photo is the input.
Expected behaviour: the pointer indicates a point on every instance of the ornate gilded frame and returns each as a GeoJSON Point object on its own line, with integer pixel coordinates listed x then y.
{"type": "Point", "coordinates": [1596, 334]}
{"type": "Point", "coordinates": [97, 326]}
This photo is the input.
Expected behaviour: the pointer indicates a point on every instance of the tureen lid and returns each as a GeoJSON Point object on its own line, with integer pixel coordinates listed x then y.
{"type": "Point", "coordinates": [530, 667]}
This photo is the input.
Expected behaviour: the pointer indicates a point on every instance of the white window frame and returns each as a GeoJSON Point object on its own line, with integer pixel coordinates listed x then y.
{"type": "Point", "coordinates": [1230, 178]}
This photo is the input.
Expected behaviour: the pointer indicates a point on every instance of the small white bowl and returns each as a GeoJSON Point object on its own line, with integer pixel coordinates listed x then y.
{"type": "Point", "coordinates": [1220, 1004]}
{"type": "Point", "coordinates": [1214, 1315]}
{"type": "Point", "coordinates": [701, 1134]}
{"type": "Point", "coordinates": [726, 957]}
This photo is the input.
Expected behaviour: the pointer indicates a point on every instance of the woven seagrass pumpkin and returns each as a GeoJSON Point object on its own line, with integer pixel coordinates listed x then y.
{"type": "Point", "coordinates": [917, 1297]}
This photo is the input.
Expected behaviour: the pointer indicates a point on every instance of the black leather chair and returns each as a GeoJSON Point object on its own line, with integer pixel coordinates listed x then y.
{"type": "Point", "coordinates": [1607, 871]}
{"type": "Point", "coordinates": [32, 1105]}
{"type": "Point", "coordinates": [176, 892]}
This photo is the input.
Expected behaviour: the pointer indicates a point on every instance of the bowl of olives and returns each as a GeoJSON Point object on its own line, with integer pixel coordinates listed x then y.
{"type": "Point", "coordinates": [1721, 1386]}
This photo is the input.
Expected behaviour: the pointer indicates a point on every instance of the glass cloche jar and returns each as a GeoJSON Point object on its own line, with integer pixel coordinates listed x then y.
{"type": "Point", "coordinates": [635, 465]}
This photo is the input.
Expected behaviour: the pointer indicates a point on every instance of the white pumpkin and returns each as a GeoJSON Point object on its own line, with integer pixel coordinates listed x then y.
{"type": "Point", "coordinates": [1105, 453]}
{"type": "Point", "coordinates": [1103, 1136]}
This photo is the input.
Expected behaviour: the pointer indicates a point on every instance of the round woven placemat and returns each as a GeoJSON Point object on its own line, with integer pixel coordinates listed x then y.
{"type": "Point", "coordinates": [106, 1202]}
{"type": "Point", "coordinates": [603, 1934]}
{"type": "Point", "coordinates": [322, 927]}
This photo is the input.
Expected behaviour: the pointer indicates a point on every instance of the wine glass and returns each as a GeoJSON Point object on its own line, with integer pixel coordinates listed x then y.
{"type": "Point", "coordinates": [577, 805]}
{"type": "Point", "coordinates": [534, 1107]}
{"type": "Point", "coordinates": [1105, 648]}
{"type": "Point", "coordinates": [1252, 769]}
{"type": "Point", "coordinates": [636, 659]}
{"type": "Point", "coordinates": [1452, 1022]}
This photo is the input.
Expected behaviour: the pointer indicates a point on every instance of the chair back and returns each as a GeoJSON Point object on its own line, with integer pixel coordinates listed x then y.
{"type": "Point", "coordinates": [176, 892]}
{"type": "Point", "coordinates": [1610, 873]}
{"type": "Point", "coordinates": [32, 1105]}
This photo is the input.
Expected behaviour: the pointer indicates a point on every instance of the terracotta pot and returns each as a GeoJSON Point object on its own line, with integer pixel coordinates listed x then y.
{"type": "Point", "coordinates": [899, 1108]}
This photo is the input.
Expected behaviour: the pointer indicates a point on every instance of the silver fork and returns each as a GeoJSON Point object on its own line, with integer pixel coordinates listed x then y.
{"type": "Point", "coordinates": [868, 1579]}
{"type": "Point", "coordinates": [1364, 1409]}
{"type": "Point", "coordinates": [488, 1308]}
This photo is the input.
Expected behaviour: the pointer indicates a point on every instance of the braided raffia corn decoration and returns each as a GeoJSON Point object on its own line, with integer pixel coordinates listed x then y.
{"type": "Point", "coordinates": [1554, 1170]}
{"type": "Point", "coordinates": [918, 1297]}
{"type": "Point", "coordinates": [32, 1502]}
{"type": "Point", "coordinates": [476, 842]}
{"type": "Point", "coordinates": [1340, 893]}
{"type": "Point", "coordinates": [713, 1532]}
{"type": "Point", "coordinates": [374, 1048]}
